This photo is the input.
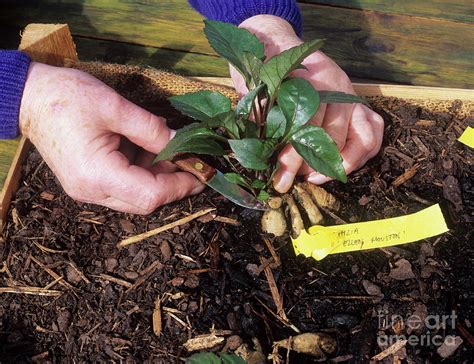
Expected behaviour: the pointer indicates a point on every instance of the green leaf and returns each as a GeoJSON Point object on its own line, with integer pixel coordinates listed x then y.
{"type": "Point", "coordinates": [263, 196]}
{"type": "Point", "coordinates": [258, 183]}
{"type": "Point", "coordinates": [249, 128]}
{"type": "Point", "coordinates": [232, 42]}
{"type": "Point", "coordinates": [278, 67]}
{"type": "Point", "coordinates": [276, 123]}
{"type": "Point", "coordinates": [319, 151]}
{"type": "Point", "coordinates": [201, 105]}
{"type": "Point", "coordinates": [252, 153]}
{"type": "Point", "coordinates": [203, 358]}
{"type": "Point", "coordinates": [298, 101]}
{"type": "Point", "coordinates": [231, 359]}
{"type": "Point", "coordinates": [333, 97]}
{"type": "Point", "coordinates": [252, 66]}
{"type": "Point", "coordinates": [237, 179]}
{"type": "Point", "coordinates": [227, 120]}
{"type": "Point", "coordinates": [245, 104]}
{"type": "Point", "coordinates": [192, 140]}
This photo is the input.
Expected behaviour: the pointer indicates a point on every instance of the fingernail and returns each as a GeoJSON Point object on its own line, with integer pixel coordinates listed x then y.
{"type": "Point", "coordinates": [172, 133]}
{"type": "Point", "coordinates": [317, 179]}
{"type": "Point", "coordinates": [284, 182]}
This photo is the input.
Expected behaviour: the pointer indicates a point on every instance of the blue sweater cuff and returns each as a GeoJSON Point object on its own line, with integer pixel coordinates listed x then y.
{"type": "Point", "coordinates": [13, 71]}
{"type": "Point", "coordinates": [236, 11]}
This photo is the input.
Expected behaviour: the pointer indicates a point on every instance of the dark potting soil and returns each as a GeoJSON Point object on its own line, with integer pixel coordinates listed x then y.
{"type": "Point", "coordinates": [208, 273]}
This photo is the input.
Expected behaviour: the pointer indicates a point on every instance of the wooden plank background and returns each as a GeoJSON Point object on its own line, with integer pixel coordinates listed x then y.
{"type": "Point", "coordinates": [398, 41]}
{"type": "Point", "coordinates": [7, 152]}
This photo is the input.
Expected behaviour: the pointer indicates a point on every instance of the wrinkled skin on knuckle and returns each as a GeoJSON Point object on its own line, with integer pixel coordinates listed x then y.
{"type": "Point", "coordinates": [149, 202]}
{"type": "Point", "coordinates": [377, 119]}
{"type": "Point", "coordinates": [369, 142]}
{"type": "Point", "coordinates": [159, 132]}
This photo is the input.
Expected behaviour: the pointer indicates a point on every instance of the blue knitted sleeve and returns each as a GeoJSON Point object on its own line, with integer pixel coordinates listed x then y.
{"type": "Point", "coordinates": [13, 70]}
{"type": "Point", "coordinates": [236, 11]}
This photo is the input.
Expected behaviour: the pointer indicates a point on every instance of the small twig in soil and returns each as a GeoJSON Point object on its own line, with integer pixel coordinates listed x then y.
{"type": "Point", "coordinates": [120, 282]}
{"type": "Point", "coordinates": [40, 358]}
{"type": "Point", "coordinates": [417, 198]}
{"type": "Point", "coordinates": [274, 290]}
{"type": "Point", "coordinates": [333, 215]}
{"type": "Point", "coordinates": [409, 173]}
{"type": "Point", "coordinates": [466, 334]}
{"type": "Point", "coordinates": [390, 350]}
{"type": "Point", "coordinates": [48, 250]}
{"type": "Point", "coordinates": [198, 271]}
{"type": "Point", "coordinates": [425, 122]}
{"type": "Point", "coordinates": [56, 281]}
{"type": "Point", "coordinates": [54, 275]}
{"type": "Point", "coordinates": [92, 221]}
{"type": "Point", "coordinates": [227, 220]}
{"type": "Point", "coordinates": [132, 310]}
{"type": "Point", "coordinates": [82, 275]}
{"type": "Point", "coordinates": [157, 317]}
{"type": "Point", "coordinates": [145, 274]}
{"type": "Point", "coordinates": [33, 176]}
{"type": "Point", "coordinates": [184, 324]}
{"type": "Point", "coordinates": [285, 323]}
{"type": "Point", "coordinates": [37, 291]}
{"type": "Point", "coordinates": [361, 298]}
{"type": "Point", "coordinates": [275, 256]}
{"type": "Point", "coordinates": [38, 328]}
{"type": "Point", "coordinates": [148, 234]}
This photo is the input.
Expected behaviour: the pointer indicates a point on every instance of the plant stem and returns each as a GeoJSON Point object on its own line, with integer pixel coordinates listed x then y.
{"type": "Point", "coordinates": [263, 118]}
{"type": "Point", "coordinates": [256, 115]}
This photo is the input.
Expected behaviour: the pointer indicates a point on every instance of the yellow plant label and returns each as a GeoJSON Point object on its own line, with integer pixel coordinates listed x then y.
{"type": "Point", "coordinates": [320, 241]}
{"type": "Point", "coordinates": [467, 137]}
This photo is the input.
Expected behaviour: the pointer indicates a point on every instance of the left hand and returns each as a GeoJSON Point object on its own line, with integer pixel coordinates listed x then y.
{"type": "Point", "coordinates": [357, 130]}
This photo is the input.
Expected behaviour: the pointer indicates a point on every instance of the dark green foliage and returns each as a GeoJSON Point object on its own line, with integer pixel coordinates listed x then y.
{"type": "Point", "coordinates": [211, 358]}
{"type": "Point", "coordinates": [274, 113]}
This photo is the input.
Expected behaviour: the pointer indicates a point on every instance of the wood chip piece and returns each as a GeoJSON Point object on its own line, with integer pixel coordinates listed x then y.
{"type": "Point", "coordinates": [48, 196]}
{"type": "Point", "coordinates": [119, 281]}
{"type": "Point", "coordinates": [408, 174]}
{"type": "Point", "coordinates": [157, 318]}
{"type": "Point", "coordinates": [425, 123]}
{"type": "Point", "coordinates": [402, 270]}
{"type": "Point", "coordinates": [203, 342]}
{"type": "Point", "coordinates": [450, 345]}
{"type": "Point", "coordinates": [274, 291]}
{"type": "Point", "coordinates": [371, 288]}
{"type": "Point", "coordinates": [227, 220]}
{"type": "Point", "coordinates": [390, 350]}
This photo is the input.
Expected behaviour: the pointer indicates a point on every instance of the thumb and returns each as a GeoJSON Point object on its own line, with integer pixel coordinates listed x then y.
{"type": "Point", "coordinates": [239, 82]}
{"type": "Point", "coordinates": [139, 126]}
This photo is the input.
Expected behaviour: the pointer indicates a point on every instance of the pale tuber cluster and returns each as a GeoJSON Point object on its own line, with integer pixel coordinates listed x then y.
{"type": "Point", "coordinates": [304, 203]}
{"type": "Point", "coordinates": [315, 344]}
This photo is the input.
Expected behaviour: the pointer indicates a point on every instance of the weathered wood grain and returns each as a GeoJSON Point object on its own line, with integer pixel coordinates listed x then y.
{"type": "Point", "coordinates": [169, 24]}
{"type": "Point", "coordinates": [181, 62]}
{"type": "Point", "coordinates": [7, 152]}
{"type": "Point", "coordinates": [402, 91]}
{"type": "Point", "coordinates": [367, 44]}
{"type": "Point", "coordinates": [459, 10]}
{"type": "Point", "coordinates": [397, 48]}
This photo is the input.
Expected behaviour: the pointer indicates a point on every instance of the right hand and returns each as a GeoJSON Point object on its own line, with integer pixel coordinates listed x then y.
{"type": "Point", "coordinates": [99, 145]}
{"type": "Point", "coordinates": [357, 130]}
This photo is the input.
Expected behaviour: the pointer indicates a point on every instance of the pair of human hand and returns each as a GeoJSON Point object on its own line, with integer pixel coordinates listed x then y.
{"type": "Point", "coordinates": [101, 146]}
